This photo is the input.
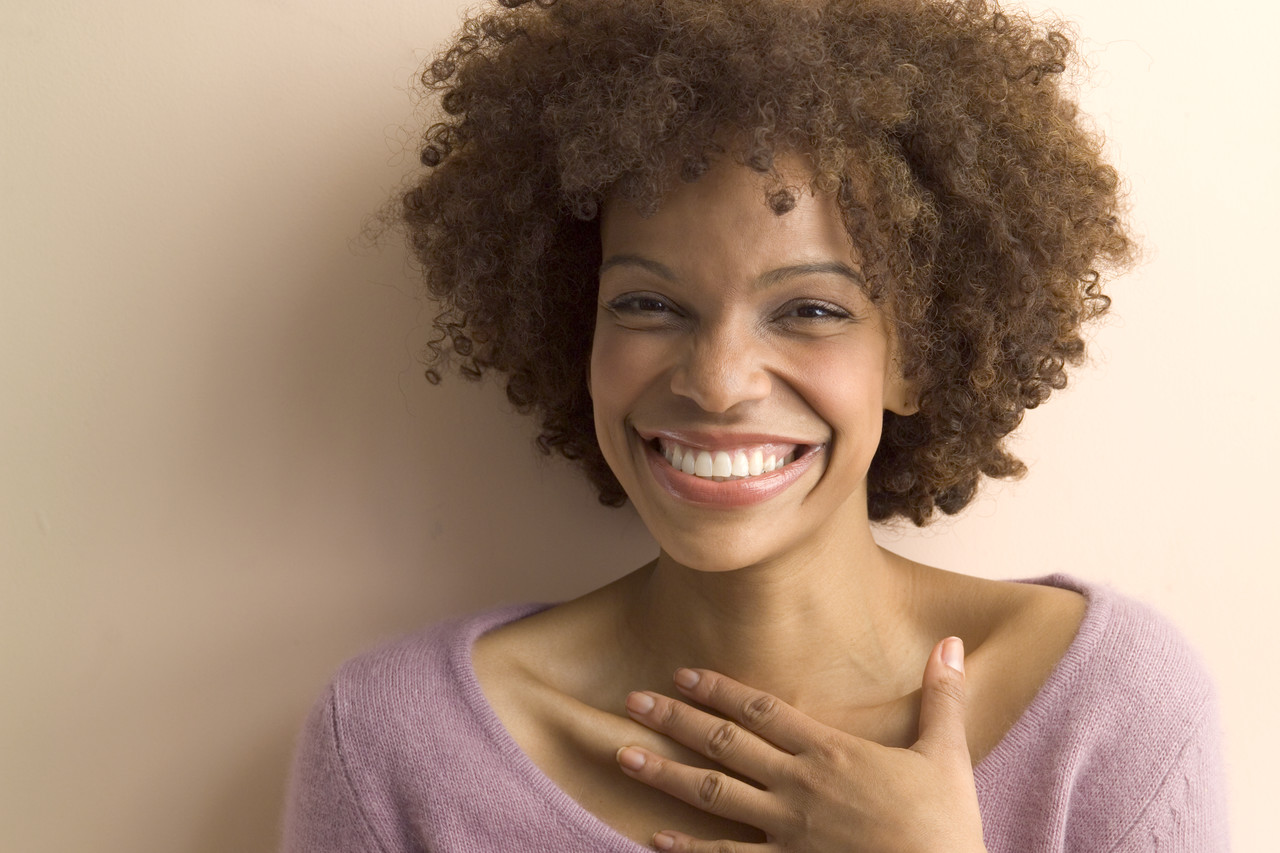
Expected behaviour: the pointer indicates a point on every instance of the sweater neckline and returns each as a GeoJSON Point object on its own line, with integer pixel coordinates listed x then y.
{"type": "Point", "coordinates": [573, 815]}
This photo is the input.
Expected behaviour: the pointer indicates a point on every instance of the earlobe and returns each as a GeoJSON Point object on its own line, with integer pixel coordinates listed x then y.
{"type": "Point", "coordinates": [901, 400]}
{"type": "Point", "coordinates": [901, 396]}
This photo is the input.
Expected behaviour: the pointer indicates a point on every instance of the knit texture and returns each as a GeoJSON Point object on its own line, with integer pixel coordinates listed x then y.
{"type": "Point", "coordinates": [1118, 752]}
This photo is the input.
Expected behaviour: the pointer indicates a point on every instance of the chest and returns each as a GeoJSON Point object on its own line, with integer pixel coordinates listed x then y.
{"type": "Point", "coordinates": [574, 745]}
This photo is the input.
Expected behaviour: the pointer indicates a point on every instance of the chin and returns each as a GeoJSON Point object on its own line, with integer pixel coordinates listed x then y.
{"type": "Point", "coordinates": [702, 551]}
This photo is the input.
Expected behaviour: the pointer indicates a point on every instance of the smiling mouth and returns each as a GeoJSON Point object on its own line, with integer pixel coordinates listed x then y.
{"type": "Point", "coordinates": [738, 463]}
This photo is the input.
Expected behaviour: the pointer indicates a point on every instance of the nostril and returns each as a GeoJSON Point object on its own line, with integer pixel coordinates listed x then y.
{"type": "Point", "coordinates": [717, 385]}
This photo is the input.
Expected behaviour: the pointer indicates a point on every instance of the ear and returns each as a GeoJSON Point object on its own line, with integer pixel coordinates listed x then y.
{"type": "Point", "coordinates": [901, 395]}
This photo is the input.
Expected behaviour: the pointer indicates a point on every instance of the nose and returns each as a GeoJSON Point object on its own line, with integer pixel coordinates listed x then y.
{"type": "Point", "coordinates": [720, 368]}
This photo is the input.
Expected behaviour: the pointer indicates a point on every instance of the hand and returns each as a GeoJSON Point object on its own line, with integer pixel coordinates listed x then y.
{"type": "Point", "coordinates": [820, 790]}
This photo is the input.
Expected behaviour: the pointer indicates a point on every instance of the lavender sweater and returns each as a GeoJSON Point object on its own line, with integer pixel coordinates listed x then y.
{"type": "Point", "coordinates": [1118, 752]}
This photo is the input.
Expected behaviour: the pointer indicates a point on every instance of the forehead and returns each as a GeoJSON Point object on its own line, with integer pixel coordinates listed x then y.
{"type": "Point", "coordinates": [723, 220]}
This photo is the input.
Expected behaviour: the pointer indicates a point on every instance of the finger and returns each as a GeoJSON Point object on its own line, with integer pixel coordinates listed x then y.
{"type": "Point", "coordinates": [757, 711]}
{"type": "Point", "coordinates": [710, 790]}
{"type": "Point", "coordinates": [678, 842]}
{"type": "Point", "coordinates": [942, 701]}
{"type": "Point", "coordinates": [721, 740]}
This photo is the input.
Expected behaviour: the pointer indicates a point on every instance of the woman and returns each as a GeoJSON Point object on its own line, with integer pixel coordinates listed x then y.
{"type": "Point", "coordinates": [772, 271]}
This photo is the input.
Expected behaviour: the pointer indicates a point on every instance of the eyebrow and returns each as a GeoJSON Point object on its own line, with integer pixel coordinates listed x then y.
{"type": "Point", "coordinates": [781, 274]}
{"type": "Point", "coordinates": [660, 270]}
{"type": "Point", "coordinates": [769, 279]}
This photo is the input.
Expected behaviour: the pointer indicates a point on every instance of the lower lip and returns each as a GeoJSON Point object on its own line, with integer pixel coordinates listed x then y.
{"type": "Point", "coordinates": [728, 493]}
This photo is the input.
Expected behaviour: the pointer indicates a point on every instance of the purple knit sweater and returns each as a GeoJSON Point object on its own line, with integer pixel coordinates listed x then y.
{"type": "Point", "coordinates": [1118, 752]}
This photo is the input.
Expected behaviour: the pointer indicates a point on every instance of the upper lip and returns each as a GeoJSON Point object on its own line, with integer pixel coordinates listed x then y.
{"type": "Point", "coordinates": [720, 439]}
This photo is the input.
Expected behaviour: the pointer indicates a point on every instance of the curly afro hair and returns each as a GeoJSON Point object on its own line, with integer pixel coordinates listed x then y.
{"type": "Point", "coordinates": [982, 207]}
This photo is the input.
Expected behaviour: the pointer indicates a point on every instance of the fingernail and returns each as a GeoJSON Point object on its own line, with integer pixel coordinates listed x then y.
{"type": "Point", "coordinates": [630, 758]}
{"type": "Point", "coordinates": [664, 841]}
{"type": "Point", "coordinates": [953, 653]}
{"type": "Point", "coordinates": [687, 678]}
{"type": "Point", "coordinates": [639, 703]}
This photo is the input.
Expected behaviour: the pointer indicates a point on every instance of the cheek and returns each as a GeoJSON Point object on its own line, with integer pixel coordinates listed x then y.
{"type": "Point", "coordinates": [616, 380]}
{"type": "Point", "coordinates": [624, 362]}
{"type": "Point", "coordinates": [848, 394]}
{"type": "Point", "coordinates": [607, 377]}
{"type": "Point", "coordinates": [603, 360]}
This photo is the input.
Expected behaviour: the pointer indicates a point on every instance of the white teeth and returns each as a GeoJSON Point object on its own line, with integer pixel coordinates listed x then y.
{"type": "Point", "coordinates": [725, 464]}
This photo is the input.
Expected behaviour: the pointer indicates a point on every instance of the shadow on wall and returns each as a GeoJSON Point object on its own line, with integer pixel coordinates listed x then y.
{"type": "Point", "coordinates": [246, 815]}
{"type": "Point", "coordinates": [366, 503]}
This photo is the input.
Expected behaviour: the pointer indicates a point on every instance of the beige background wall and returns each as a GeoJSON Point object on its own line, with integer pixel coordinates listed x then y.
{"type": "Point", "coordinates": [222, 472]}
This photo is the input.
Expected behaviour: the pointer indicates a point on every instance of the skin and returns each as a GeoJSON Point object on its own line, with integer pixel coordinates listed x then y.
{"type": "Point", "coordinates": [854, 716]}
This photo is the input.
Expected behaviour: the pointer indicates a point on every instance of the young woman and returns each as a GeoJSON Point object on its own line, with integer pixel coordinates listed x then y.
{"type": "Point", "coordinates": [772, 271]}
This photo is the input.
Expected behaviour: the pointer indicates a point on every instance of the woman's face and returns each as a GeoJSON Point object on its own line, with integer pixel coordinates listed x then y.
{"type": "Point", "coordinates": [739, 372]}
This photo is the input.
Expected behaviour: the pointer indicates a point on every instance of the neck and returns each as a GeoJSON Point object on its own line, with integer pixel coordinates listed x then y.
{"type": "Point", "coordinates": [818, 629]}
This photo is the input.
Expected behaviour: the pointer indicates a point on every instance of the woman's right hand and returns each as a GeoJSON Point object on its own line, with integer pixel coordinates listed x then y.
{"type": "Point", "coordinates": [821, 790]}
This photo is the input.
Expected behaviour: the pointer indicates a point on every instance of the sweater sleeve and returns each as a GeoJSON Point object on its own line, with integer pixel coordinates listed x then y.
{"type": "Point", "coordinates": [324, 813]}
{"type": "Point", "coordinates": [1188, 811]}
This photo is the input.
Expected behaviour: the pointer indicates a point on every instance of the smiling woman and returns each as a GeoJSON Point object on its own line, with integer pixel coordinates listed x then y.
{"type": "Point", "coordinates": [732, 336]}
{"type": "Point", "coordinates": [771, 271]}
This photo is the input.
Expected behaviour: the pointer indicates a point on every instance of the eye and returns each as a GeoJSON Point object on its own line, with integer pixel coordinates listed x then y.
{"type": "Point", "coordinates": [640, 304]}
{"type": "Point", "coordinates": [813, 310]}
{"type": "Point", "coordinates": [644, 311]}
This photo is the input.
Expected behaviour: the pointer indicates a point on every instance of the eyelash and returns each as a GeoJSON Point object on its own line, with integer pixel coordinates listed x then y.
{"type": "Point", "coordinates": [833, 312]}
{"type": "Point", "coordinates": [634, 303]}
{"type": "Point", "coordinates": [652, 306]}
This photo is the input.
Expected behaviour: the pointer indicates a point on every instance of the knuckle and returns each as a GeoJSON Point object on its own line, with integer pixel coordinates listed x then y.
{"type": "Point", "coordinates": [724, 847]}
{"type": "Point", "coordinates": [722, 740]}
{"type": "Point", "coordinates": [712, 684]}
{"type": "Point", "coordinates": [808, 781]}
{"type": "Point", "coordinates": [654, 766]}
{"type": "Point", "coordinates": [834, 754]}
{"type": "Point", "coordinates": [669, 715]}
{"type": "Point", "coordinates": [759, 711]}
{"type": "Point", "coordinates": [951, 690]}
{"type": "Point", "coordinates": [800, 819]}
{"type": "Point", "coordinates": [711, 791]}
{"type": "Point", "coordinates": [830, 748]}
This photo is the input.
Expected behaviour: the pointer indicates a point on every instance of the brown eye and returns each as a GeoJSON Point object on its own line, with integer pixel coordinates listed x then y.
{"type": "Point", "coordinates": [640, 303]}
{"type": "Point", "coordinates": [816, 311]}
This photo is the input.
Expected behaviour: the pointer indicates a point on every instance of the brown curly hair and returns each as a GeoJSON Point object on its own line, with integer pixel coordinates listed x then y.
{"type": "Point", "coordinates": [980, 204]}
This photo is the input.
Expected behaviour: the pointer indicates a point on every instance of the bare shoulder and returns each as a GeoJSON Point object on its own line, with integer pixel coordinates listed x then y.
{"type": "Point", "coordinates": [1039, 626]}
{"type": "Point", "coordinates": [539, 679]}
{"type": "Point", "coordinates": [543, 648]}
{"type": "Point", "coordinates": [1019, 633]}
{"type": "Point", "coordinates": [515, 663]}
{"type": "Point", "coordinates": [521, 670]}
{"type": "Point", "coordinates": [1046, 616]}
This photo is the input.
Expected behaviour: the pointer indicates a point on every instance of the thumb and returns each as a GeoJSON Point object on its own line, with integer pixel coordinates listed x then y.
{"type": "Point", "coordinates": [942, 703]}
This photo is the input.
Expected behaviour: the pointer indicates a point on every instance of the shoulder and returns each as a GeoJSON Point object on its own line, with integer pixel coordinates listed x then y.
{"type": "Point", "coordinates": [1126, 720]}
{"type": "Point", "coordinates": [387, 716]}
{"type": "Point", "coordinates": [1131, 657]}
{"type": "Point", "coordinates": [1128, 676]}
{"type": "Point", "coordinates": [422, 677]}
